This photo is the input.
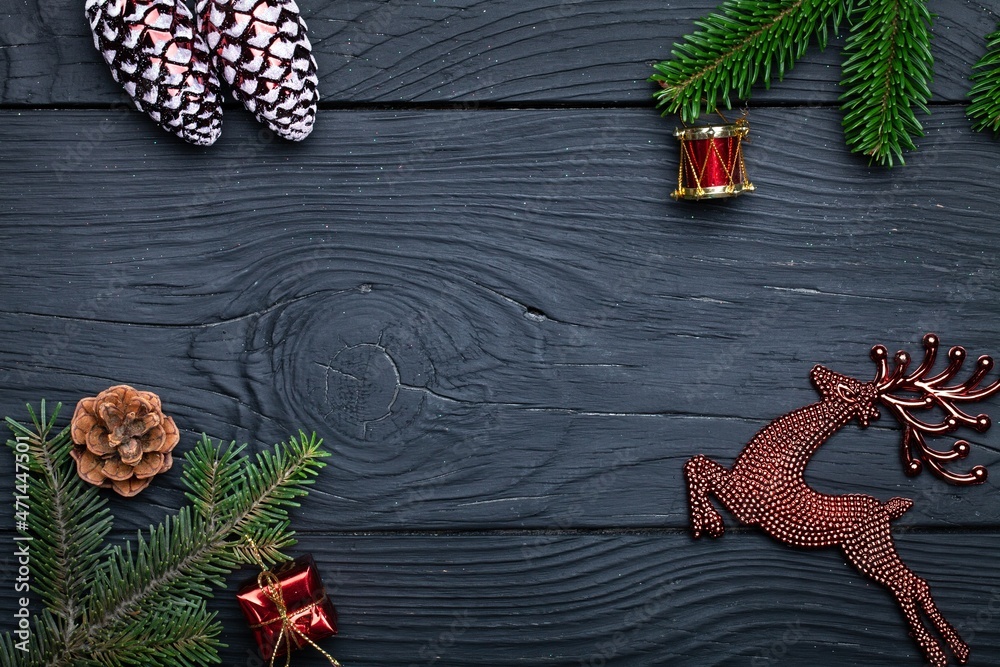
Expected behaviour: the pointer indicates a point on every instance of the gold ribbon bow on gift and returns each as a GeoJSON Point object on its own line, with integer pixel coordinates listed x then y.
{"type": "Point", "coordinates": [271, 586]}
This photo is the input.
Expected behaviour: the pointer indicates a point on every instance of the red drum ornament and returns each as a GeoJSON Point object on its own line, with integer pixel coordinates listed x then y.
{"type": "Point", "coordinates": [711, 164]}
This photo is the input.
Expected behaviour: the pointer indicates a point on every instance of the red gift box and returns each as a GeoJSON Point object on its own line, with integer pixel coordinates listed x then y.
{"type": "Point", "coordinates": [308, 608]}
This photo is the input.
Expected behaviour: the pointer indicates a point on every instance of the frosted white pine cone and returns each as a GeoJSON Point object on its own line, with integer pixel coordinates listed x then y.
{"type": "Point", "coordinates": [162, 62]}
{"type": "Point", "coordinates": [260, 48]}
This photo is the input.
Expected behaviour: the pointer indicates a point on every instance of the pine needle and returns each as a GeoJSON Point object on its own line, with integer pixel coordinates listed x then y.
{"type": "Point", "coordinates": [738, 47]}
{"type": "Point", "coordinates": [985, 94]}
{"type": "Point", "coordinates": [886, 76]}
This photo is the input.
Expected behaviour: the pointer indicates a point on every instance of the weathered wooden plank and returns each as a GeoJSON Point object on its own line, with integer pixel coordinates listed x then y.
{"type": "Point", "coordinates": [468, 51]}
{"type": "Point", "coordinates": [517, 469]}
{"type": "Point", "coordinates": [495, 319]}
{"type": "Point", "coordinates": [624, 600]}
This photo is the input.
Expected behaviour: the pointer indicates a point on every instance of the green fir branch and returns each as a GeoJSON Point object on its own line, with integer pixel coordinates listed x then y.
{"type": "Point", "coordinates": [985, 94]}
{"type": "Point", "coordinates": [185, 635]}
{"type": "Point", "coordinates": [736, 48]}
{"type": "Point", "coordinates": [215, 476]}
{"type": "Point", "coordinates": [886, 73]}
{"type": "Point", "coordinates": [67, 519]}
{"type": "Point", "coordinates": [212, 475]}
{"type": "Point", "coordinates": [47, 640]}
{"type": "Point", "coordinates": [273, 482]}
{"type": "Point", "coordinates": [174, 562]}
{"type": "Point", "coordinates": [886, 76]}
{"type": "Point", "coordinates": [144, 603]}
{"type": "Point", "coordinates": [187, 554]}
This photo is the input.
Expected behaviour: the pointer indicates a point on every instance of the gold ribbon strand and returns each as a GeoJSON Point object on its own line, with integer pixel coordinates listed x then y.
{"type": "Point", "coordinates": [271, 586]}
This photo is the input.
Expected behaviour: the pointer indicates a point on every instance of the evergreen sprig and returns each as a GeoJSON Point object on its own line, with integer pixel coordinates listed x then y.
{"type": "Point", "coordinates": [67, 522]}
{"type": "Point", "coordinates": [886, 73]}
{"type": "Point", "coordinates": [145, 602]}
{"type": "Point", "coordinates": [985, 94]}
{"type": "Point", "coordinates": [737, 47]}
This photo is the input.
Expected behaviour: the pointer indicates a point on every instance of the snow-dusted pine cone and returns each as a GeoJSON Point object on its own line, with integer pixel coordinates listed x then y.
{"type": "Point", "coordinates": [156, 54]}
{"type": "Point", "coordinates": [261, 49]}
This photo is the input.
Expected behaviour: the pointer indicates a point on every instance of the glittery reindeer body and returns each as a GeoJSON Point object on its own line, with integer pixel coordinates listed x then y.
{"type": "Point", "coordinates": [766, 487]}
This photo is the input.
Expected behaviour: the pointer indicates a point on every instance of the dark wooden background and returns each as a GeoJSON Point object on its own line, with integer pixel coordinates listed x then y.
{"type": "Point", "coordinates": [472, 282]}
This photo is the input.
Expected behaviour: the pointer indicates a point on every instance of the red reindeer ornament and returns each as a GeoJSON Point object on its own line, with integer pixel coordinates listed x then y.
{"type": "Point", "coordinates": [766, 487]}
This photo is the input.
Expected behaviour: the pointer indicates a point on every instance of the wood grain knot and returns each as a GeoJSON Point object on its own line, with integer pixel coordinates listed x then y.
{"type": "Point", "coordinates": [356, 367]}
{"type": "Point", "coordinates": [361, 386]}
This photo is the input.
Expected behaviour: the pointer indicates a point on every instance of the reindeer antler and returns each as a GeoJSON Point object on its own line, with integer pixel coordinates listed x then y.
{"type": "Point", "coordinates": [933, 392]}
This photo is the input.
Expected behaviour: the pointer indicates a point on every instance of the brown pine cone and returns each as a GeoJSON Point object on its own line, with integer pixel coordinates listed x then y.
{"type": "Point", "coordinates": [123, 439]}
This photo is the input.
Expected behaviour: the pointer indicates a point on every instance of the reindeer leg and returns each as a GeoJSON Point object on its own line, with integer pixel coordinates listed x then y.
{"type": "Point", "coordinates": [955, 643]}
{"type": "Point", "coordinates": [873, 552]}
{"type": "Point", "coordinates": [704, 476]}
{"type": "Point", "coordinates": [928, 644]}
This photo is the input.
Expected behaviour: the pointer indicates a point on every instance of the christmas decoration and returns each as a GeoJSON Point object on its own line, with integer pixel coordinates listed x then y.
{"type": "Point", "coordinates": [123, 439]}
{"type": "Point", "coordinates": [288, 608]}
{"type": "Point", "coordinates": [711, 163]}
{"type": "Point", "coordinates": [766, 487]}
{"type": "Point", "coordinates": [161, 61]}
{"type": "Point", "coordinates": [985, 94]}
{"type": "Point", "coordinates": [261, 49]}
{"type": "Point", "coordinates": [145, 603]}
{"type": "Point", "coordinates": [886, 73]}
